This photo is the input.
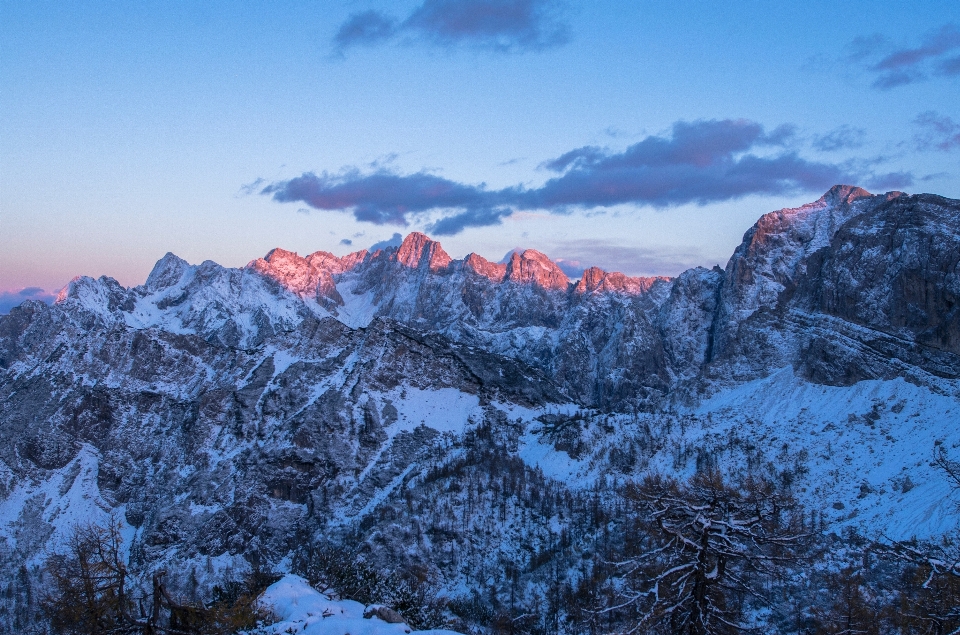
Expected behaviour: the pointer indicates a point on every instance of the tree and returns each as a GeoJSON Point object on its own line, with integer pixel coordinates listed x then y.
{"type": "Point", "coordinates": [700, 549]}
{"type": "Point", "coordinates": [88, 591]}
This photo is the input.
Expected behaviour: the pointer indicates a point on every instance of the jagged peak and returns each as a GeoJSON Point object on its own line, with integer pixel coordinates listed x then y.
{"type": "Point", "coordinates": [101, 295]}
{"type": "Point", "coordinates": [532, 266]}
{"type": "Point", "coordinates": [419, 250]}
{"type": "Point", "coordinates": [811, 222]}
{"type": "Point", "coordinates": [352, 260]}
{"type": "Point", "coordinates": [167, 272]}
{"type": "Point", "coordinates": [595, 279]}
{"type": "Point", "coordinates": [283, 262]}
{"type": "Point", "coordinates": [840, 194]}
{"type": "Point", "coordinates": [483, 267]}
{"type": "Point", "coordinates": [590, 280]}
{"type": "Point", "coordinates": [278, 254]}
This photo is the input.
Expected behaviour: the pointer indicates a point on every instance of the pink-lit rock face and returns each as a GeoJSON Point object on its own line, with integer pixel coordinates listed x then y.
{"type": "Point", "coordinates": [316, 276]}
{"type": "Point", "coordinates": [301, 275]}
{"type": "Point", "coordinates": [596, 280]}
{"type": "Point", "coordinates": [418, 251]}
{"type": "Point", "coordinates": [479, 265]}
{"type": "Point", "coordinates": [533, 267]}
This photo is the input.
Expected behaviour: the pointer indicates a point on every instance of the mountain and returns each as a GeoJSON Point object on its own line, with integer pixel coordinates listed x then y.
{"type": "Point", "coordinates": [468, 417]}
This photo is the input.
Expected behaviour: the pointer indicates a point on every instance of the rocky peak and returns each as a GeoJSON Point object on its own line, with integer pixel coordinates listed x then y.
{"type": "Point", "coordinates": [353, 260]}
{"type": "Point", "coordinates": [419, 251]}
{"type": "Point", "coordinates": [481, 266]}
{"type": "Point", "coordinates": [101, 297]}
{"type": "Point", "coordinates": [533, 267]}
{"type": "Point", "coordinates": [299, 275]}
{"type": "Point", "coordinates": [844, 195]}
{"type": "Point", "coordinates": [325, 261]}
{"type": "Point", "coordinates": [596, 280]}
{"type": "Point", "coordinates": [167, 272]}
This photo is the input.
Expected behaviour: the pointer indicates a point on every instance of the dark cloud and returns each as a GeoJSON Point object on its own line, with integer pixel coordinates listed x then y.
{"type": "Point", "coordinates": [842, 138]}
{"type": "Point", "coordinates": [895, 65]}
{"type": "Point", "coordinates": [950, 67]}
{"type": "Point", "coordinates": [900, 77]}
{"type": "Point", "coordinates": [10, 299]}
{"type": "Point", "coordinates": [890, 181]}
{"type": "Point", "coordinates": [497, 25]}
{"type": "Point", "coordinates": [937, 132]}
{"type": "Point", "coordinates": [364, 29]}
{"type": "Point", "coordinates": [699, 162]}
{"type": "Point", "coordinates": [384, 197]}
{"type": "Point", "coordinates": [346, 241]}
{"type": "Point", "coordinates": [946, 39]}
{"type": "Point", "coordinates": [478, 217]}
{"type": "Point", "coordinates": [394, 241]}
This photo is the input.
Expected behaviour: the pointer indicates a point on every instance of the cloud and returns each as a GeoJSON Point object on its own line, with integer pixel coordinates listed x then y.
{"type": "Point", "coordinates": [890, 181]}
{"type": "Point", "coordinates": [251, 188]}
{"type": "Point", "coordinates": [840, 138]}
{"type": "Point", "coordinates": [506, 26]}
{"type": "Point", "coordinates": [937, 132]}
{"type": "Point", "coordinates": [950, 67]}
{"type": "Point", "coordinates": [894, 65]}
{"type": "Point", "coordinates": [346, 241]}
{"type": "Point", "coordinates": [394, 241]}
{"type": "Point", "coordinates": [364, 29]}
{"type": "Point", "coordinates": [479, 217]}
{"type": "Point", "coordinates": [13, 298]}
{"type": "Point", "coordinates": [699, 162]}
{"type": "Point", "coordinates": [386, 198]}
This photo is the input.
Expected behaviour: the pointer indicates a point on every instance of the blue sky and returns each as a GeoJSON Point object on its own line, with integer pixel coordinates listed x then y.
{"type": "Point", "coordinates": [637, 136]}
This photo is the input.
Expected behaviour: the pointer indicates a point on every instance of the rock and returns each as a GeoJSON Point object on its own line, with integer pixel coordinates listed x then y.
{"type": "Point", "coordinates": [384, 613]}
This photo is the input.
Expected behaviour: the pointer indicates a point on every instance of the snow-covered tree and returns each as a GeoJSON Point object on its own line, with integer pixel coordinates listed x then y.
{"type": "Point", "coordinates": [700, 550]}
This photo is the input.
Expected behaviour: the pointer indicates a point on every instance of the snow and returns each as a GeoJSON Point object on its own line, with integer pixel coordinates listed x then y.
{"type": "Point", "coordinates": [877, 434]}
{"type": "Point", "coordinates": [537, 452]}
{"type": "Point", "coordinates": [358, 310]}
{"type": "Point", "coordinates": [444, 409]}
{"type": "Point", "coordinates": [303, 610]}
{"type": "Point", "coordinates": [67, 498]}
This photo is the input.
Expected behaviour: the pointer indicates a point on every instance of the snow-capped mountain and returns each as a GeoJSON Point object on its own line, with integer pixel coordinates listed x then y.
{"type": "Point", "coordinates": [460, 414]}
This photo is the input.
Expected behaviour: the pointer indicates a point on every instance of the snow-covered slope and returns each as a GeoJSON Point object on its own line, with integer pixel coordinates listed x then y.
{"type": "Point", "coordinates": [302, 609]}
{"type": "Point", "coordinates": [463, 417]}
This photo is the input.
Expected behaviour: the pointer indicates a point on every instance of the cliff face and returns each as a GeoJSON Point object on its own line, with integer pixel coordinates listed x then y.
{"type": "Point", "coordinates": [851, 287]}
{"type": "Point", "coordinates": [839, 289]}
{"type": "Point", "coordinates": [225, 414]}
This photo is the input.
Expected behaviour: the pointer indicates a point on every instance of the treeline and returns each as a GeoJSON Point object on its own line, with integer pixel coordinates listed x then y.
{"type": "Point", "coordinates": [713, 553]}
{"type": "Point", "coordinates": [88, 588]}
{"type": "Point", "coordinates": [701, 556]}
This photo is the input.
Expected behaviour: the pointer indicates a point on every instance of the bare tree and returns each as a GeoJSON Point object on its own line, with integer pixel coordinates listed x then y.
{"type": "Point", "coordinates": [701, 549]}
{"type": "Point", "coordinates": [88, 592]}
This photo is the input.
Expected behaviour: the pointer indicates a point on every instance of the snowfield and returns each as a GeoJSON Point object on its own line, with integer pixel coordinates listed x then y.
{"type": "Point", "coordinates": [303, 610]}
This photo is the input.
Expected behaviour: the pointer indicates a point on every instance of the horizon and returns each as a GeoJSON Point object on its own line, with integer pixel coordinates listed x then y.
{"type": "Point", "coordinates": [634, 138]}
{"type": "Point", "coordinates": [572, 269]}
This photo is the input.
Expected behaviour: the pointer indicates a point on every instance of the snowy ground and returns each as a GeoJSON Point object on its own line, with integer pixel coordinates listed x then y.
{"type": "Point", "coordinates": [868, 447]}
{"type": "Point", "coordinates": [305, 611]}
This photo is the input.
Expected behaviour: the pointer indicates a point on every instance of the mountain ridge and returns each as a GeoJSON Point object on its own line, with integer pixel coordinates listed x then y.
{"type": "Point", "coordinates": [452, 418]}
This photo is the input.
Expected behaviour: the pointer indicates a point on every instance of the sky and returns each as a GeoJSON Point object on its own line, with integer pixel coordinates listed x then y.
{"type": "Point", "coordinates": [643, 137]}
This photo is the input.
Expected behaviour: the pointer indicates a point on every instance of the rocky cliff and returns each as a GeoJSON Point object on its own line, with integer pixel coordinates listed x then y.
{"type": "Point", "coordinates": [455, 413]}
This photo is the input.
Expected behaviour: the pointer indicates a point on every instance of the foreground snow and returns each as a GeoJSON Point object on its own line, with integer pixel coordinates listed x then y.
{"type": "Point", "coordinates": [305, 611]}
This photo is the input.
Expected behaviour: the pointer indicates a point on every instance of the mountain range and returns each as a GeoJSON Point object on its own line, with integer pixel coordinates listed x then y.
{"type": "Point", "coordinates": [458, 415]}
